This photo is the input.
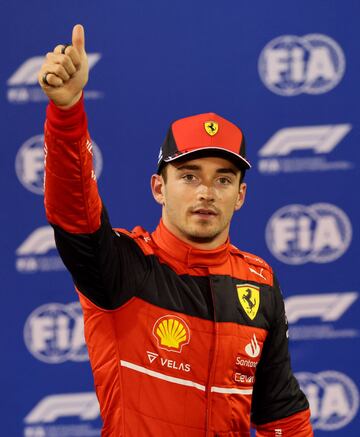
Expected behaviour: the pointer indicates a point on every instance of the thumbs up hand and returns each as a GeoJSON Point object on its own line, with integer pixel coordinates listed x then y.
{"type": "Point", "coordinates": [65, 71]}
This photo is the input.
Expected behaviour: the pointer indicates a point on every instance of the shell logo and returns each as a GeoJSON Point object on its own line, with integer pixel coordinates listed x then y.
{"type": "Point", "coordinates": [172, 333]}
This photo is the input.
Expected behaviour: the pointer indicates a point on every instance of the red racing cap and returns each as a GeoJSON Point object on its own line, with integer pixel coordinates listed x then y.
{"type": "Point", "coordinates": [204, 135]}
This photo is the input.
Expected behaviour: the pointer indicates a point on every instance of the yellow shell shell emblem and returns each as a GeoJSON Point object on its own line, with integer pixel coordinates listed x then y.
{"type": "Point", "coordinates": [211, 127]}
{"type": "Point", "coordinates": [172, 333]}
{"type": "Point", "coordinates": [249, 298]}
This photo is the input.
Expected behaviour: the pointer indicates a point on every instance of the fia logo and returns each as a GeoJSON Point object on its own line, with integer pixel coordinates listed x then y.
{"type": "Point", "coordinates": [333, 398]}
{"type": "Point", "coordinates": [297, 234]}
{"type": "Point", "coordinates": [290, 65]}
{"type": "Point", "coordinates": [29, 163]}
{"type": "Point", "coordinates": [54, 333]}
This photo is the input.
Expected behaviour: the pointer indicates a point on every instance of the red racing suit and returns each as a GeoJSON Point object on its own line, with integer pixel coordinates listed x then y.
{"type": "Point", "coordinates": [182, 342]}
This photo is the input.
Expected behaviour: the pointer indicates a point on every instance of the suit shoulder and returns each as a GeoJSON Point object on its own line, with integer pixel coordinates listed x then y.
{"type": "Point", "coordinates": [139, 235]}
{"type": "Point", "coordinates": [256, 268]}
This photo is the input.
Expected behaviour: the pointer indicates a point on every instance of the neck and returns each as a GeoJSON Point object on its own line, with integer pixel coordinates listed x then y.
{"type": "Point", "coordinates": [174, 248]}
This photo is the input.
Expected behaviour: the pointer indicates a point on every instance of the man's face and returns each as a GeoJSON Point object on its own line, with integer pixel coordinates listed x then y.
{"type": "Point", "coordinates": [199, 198]}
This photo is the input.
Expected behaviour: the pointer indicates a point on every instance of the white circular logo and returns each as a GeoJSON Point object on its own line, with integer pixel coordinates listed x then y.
{"type": "Point", "coordinates": [333, 398]}
{"type": "Point", "coordinates": [290, 65]}
{"type": "Point", "coordinates": [29, 163]}
{"type": "Point", "coordinates": [297, 234]}
{"type": "Point", "coordinates": [54, 333]}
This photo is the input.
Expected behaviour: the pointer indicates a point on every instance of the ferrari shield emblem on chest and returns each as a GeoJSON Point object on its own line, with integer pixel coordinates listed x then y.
{"type": "Point", "coordinates": [249, 298]}
{"type": "Point", "coordinates": [211, 127]}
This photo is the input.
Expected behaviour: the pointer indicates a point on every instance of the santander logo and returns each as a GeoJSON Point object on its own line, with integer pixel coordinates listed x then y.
{"type": "Point", "coordinates": [253, 348]}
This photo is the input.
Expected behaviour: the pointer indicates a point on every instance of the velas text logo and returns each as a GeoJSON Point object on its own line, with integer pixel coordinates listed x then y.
{"type": "Point", "coordinates": [168, 363]}
{"type": "Point", "coordinates": [333, 398]}
{"type": "Point", "coordinates": [172, 333]}
{"type": "Point", "coordinates": [65, 414]}
{"type": "Point", "coordinates": [290, 65]}
{"type": "Point", "coordinates": [37, 253]}
{"type": "Point", "coordinates": [317, 316]}
{"type": "Point", "coordinates": [303, 149]}
{"type": "Point", "coordinates": [23, 84]}
{"type": "Point", "coordinates": [54, 333]}
{"type": "Point", "coordinates": [29, 163]}
{"type": "Point", "coordinates": [298, 234]}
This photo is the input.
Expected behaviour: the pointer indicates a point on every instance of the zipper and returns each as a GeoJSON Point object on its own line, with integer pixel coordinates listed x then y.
{"type": "Point", "coordinates": [213, 362]}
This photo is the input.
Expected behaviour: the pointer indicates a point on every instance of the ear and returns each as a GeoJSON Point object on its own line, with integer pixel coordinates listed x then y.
{"type": "Point", "coordinates": [157, 188]}
{"type": "Point", "coordinates": [241, 196]}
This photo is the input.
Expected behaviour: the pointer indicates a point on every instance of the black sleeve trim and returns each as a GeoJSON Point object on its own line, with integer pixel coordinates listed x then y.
{"type": "Point", "coordinates": [107, 267]}
{"type": "Point", "coordinates": [276, 392]}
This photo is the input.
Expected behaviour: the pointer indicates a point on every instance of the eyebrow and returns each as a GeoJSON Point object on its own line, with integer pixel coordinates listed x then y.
{"type": "Point", "coordinates": [198, 167]}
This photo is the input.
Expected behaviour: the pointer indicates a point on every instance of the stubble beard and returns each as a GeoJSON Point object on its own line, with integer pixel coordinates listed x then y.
{"type": "Point", "coordinates": [198, 232]}
{"type": "Point", "coordinates": [206, 233]}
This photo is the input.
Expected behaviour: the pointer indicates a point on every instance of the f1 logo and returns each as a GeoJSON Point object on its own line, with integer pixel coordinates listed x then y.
{"type": "Point", "coordinates": [53, 407]}
{"type": "Point", "coordinates": [320, 139]}
{"type": "Point", "coordinates": [328, 307]}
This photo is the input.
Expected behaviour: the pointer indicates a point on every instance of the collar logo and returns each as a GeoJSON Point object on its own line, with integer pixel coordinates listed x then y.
{"type": "Point", "coordinates": [211, 127]}
{"type": "Point", "coordinates": [172, 333]}
{"type": "Point", "coordinates": [249, 298]}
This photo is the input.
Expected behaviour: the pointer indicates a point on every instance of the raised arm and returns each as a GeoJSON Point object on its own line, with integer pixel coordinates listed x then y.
{"type": "Point", "coordinates": [95, 255]}
{"type": "Point", "coordinates": [71, 196]}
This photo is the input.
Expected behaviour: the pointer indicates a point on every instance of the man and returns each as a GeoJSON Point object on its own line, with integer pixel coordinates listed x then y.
{"type": "Point", "coordinates": [187, 335]}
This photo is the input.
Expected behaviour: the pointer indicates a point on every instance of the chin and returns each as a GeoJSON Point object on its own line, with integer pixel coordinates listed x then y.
{"type": "Point", "coordinates": [203, 236]}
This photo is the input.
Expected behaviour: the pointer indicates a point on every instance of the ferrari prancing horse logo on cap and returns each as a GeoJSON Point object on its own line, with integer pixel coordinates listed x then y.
{"type": "Point", "coordinates": [249, 298]}
{"type": "Point", "coordinates": [211, 127]}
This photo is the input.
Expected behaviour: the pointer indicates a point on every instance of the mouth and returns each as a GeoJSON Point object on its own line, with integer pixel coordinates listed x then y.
{"type": "Point", "coordinates": [204, 213]}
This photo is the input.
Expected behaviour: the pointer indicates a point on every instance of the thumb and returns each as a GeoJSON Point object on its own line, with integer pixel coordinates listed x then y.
{"type": "Point", "coordinates": [78, 38]}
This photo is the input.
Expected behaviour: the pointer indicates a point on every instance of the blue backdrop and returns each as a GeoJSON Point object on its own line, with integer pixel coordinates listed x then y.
{"type": "Point", "coordinates": [287, 72]}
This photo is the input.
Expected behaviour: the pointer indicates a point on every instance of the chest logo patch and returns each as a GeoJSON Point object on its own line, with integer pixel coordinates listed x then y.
{"type": "Point", "coordinates": [249, 298]}
{"type": "Point", "coordinates": [211, 127]}
{"type": "Point", "coordinates": [172, 333]}
{"type": "Point", "coordinates": [253, 348]}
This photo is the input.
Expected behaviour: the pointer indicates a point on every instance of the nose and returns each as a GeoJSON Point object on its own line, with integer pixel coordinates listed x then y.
{"type": "Point", "coordinates": [206, 192]}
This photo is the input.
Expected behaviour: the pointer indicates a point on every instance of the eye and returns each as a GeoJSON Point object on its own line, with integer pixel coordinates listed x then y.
{"type": "Point", "coordinates": [224, 180]}
{"type": "Point", "coordinates": [189, 177]}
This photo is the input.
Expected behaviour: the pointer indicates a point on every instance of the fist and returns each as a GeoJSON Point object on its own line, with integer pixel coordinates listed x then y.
{"type": "Point", "coordinates": [65, 73]}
